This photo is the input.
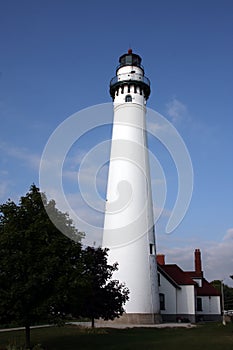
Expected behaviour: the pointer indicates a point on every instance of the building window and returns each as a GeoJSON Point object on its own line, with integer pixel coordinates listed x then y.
{"type": "Point", "coordinates": [159, 280]}
{"type": "Point", "coordinates": [128, 98]}
{"type": "Point", "coordinates": [199, 304]}
{"type": "Point", "coordinates": [162, 301]}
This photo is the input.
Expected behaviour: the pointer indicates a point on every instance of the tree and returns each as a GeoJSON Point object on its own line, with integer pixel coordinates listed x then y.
{"type": "Point", "coordinates": [228, 294]}
{"type": "Point", "coordinates": [102, 296]}
{"type": "Point", "coordinates": [45, 274]}
{"type": "Point", "coordinates": [35, 259]}
{"type": "Point", "coordinates": [228, 297]}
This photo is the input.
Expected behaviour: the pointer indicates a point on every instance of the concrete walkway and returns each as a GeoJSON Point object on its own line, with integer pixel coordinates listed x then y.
{"type": "Point", "coordinates": [109, 325]}
{"type": "Point", "coordinates": [123, 326]}
{"type": "Point", "coordinates": [23, 328]}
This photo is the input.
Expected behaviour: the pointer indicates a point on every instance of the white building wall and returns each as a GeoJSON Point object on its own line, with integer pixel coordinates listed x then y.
{"type": "Point", "coordinates": [182, 303]}
{"type": "Point", "coordinates": [169, 291]}
{"type": "Point", "coordinates": [186, 300]}
{"type": "Point", "coordinates": [210, 305]}
{"type": "Point", "coordinates": [128, 72]}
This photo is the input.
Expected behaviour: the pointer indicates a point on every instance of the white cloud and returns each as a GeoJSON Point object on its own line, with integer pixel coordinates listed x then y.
{"type": "Point", "coordinates": [228, 235]}
{"type": "Point", "coordinates": [70, 175]}
{"type": "Point", "coordinates": [176, 110]}
{"type": "Point", "coordinates": [23, 154]}
{"type": "Point", "coordinates": [219, 258]}
{"type": "Point", "coordinates": [4, 188]}
{"type": "Point", "coordinates": [155, 127]}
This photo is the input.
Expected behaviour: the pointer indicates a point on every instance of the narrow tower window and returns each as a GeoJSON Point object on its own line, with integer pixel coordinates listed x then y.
{"type": "Point", "coordinates": [152, 249]}
{"type": "Point", "coordinates": [128, 98]}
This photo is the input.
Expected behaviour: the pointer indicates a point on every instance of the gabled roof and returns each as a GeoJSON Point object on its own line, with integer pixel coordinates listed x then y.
{"type": "Point", "coordinates": [177, 275]}
{"type": "Point", "coordinates": [207, 289]}
{"type": "Point", "coordinates": [160, 269]}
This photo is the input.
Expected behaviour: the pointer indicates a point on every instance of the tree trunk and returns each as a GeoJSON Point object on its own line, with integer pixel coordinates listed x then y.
{"type": "Point", "coordinates": [28, 337]}
{"type": "Point", "coordinates": [93, 322]}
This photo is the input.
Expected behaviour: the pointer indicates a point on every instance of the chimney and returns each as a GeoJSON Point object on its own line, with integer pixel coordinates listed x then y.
{"type": "Point", "coordinates": [160, 259]}
{"type": "Point", "coordinates": [198, 268]}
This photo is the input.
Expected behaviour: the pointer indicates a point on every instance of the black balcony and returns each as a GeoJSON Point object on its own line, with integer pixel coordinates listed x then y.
{"type": "Point", "coordinates": [130, 79]}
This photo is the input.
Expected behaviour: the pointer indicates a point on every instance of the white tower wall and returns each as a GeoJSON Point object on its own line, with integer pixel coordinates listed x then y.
{"type": "Point", "coordinates": [129, 225]}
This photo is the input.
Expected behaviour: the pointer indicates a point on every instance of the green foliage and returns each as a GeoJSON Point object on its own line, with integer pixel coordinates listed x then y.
{"type": "Point", "coordinates": [38, 347]}
{"type": "Point", "coordinates": [102, 297]}
{"type": "Point", "coordinates": [228, 294]}
{"type": "Point", "coordinates": [34, 258]}
{"type": "Point", "coordinates": [228, 297]}
{"type": "Point", "coordinates": [216, 284]}
{"type": "Point", "coordinates": [44, 275]}
{"type": "Point", "coordinates": [14, 347]}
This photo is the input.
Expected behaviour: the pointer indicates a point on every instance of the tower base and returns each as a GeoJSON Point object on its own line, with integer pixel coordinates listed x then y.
{"type": "Point", "coordinates": [131, 318]}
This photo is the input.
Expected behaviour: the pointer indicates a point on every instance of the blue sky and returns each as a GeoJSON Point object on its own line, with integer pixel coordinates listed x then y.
{"type": "Point", "coordinates": [57, 57]}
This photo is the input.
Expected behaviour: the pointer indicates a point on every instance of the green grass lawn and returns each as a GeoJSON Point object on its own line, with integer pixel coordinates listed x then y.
{"type": "Point", "coordinates": [204, 337]}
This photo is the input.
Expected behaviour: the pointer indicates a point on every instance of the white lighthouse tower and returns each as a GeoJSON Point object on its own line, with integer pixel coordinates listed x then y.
{"type": "Point", "coordinates": [129, 225]}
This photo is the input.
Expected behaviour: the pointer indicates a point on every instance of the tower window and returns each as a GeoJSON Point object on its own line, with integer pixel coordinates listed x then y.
{"type": "Point", "coordinates": [152, 249]}
{"type": "Point", "coordinates": [128, 98]}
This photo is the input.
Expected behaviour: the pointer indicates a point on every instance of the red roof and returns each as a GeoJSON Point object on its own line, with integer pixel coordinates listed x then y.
{"type": "Point", "coordinates": [207, 289]}
{"type": "Point", "coordinates": [178, 275]}
{"type": "Point", "coordinates": [186, 278]}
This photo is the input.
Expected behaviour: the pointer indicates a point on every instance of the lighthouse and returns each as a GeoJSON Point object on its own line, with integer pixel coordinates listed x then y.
{"type": "Point", "coordinates": [129, 232]}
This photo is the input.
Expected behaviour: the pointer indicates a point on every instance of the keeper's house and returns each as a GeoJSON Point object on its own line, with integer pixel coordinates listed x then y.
{"type": "Point", "coordinates": [186, 295]}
